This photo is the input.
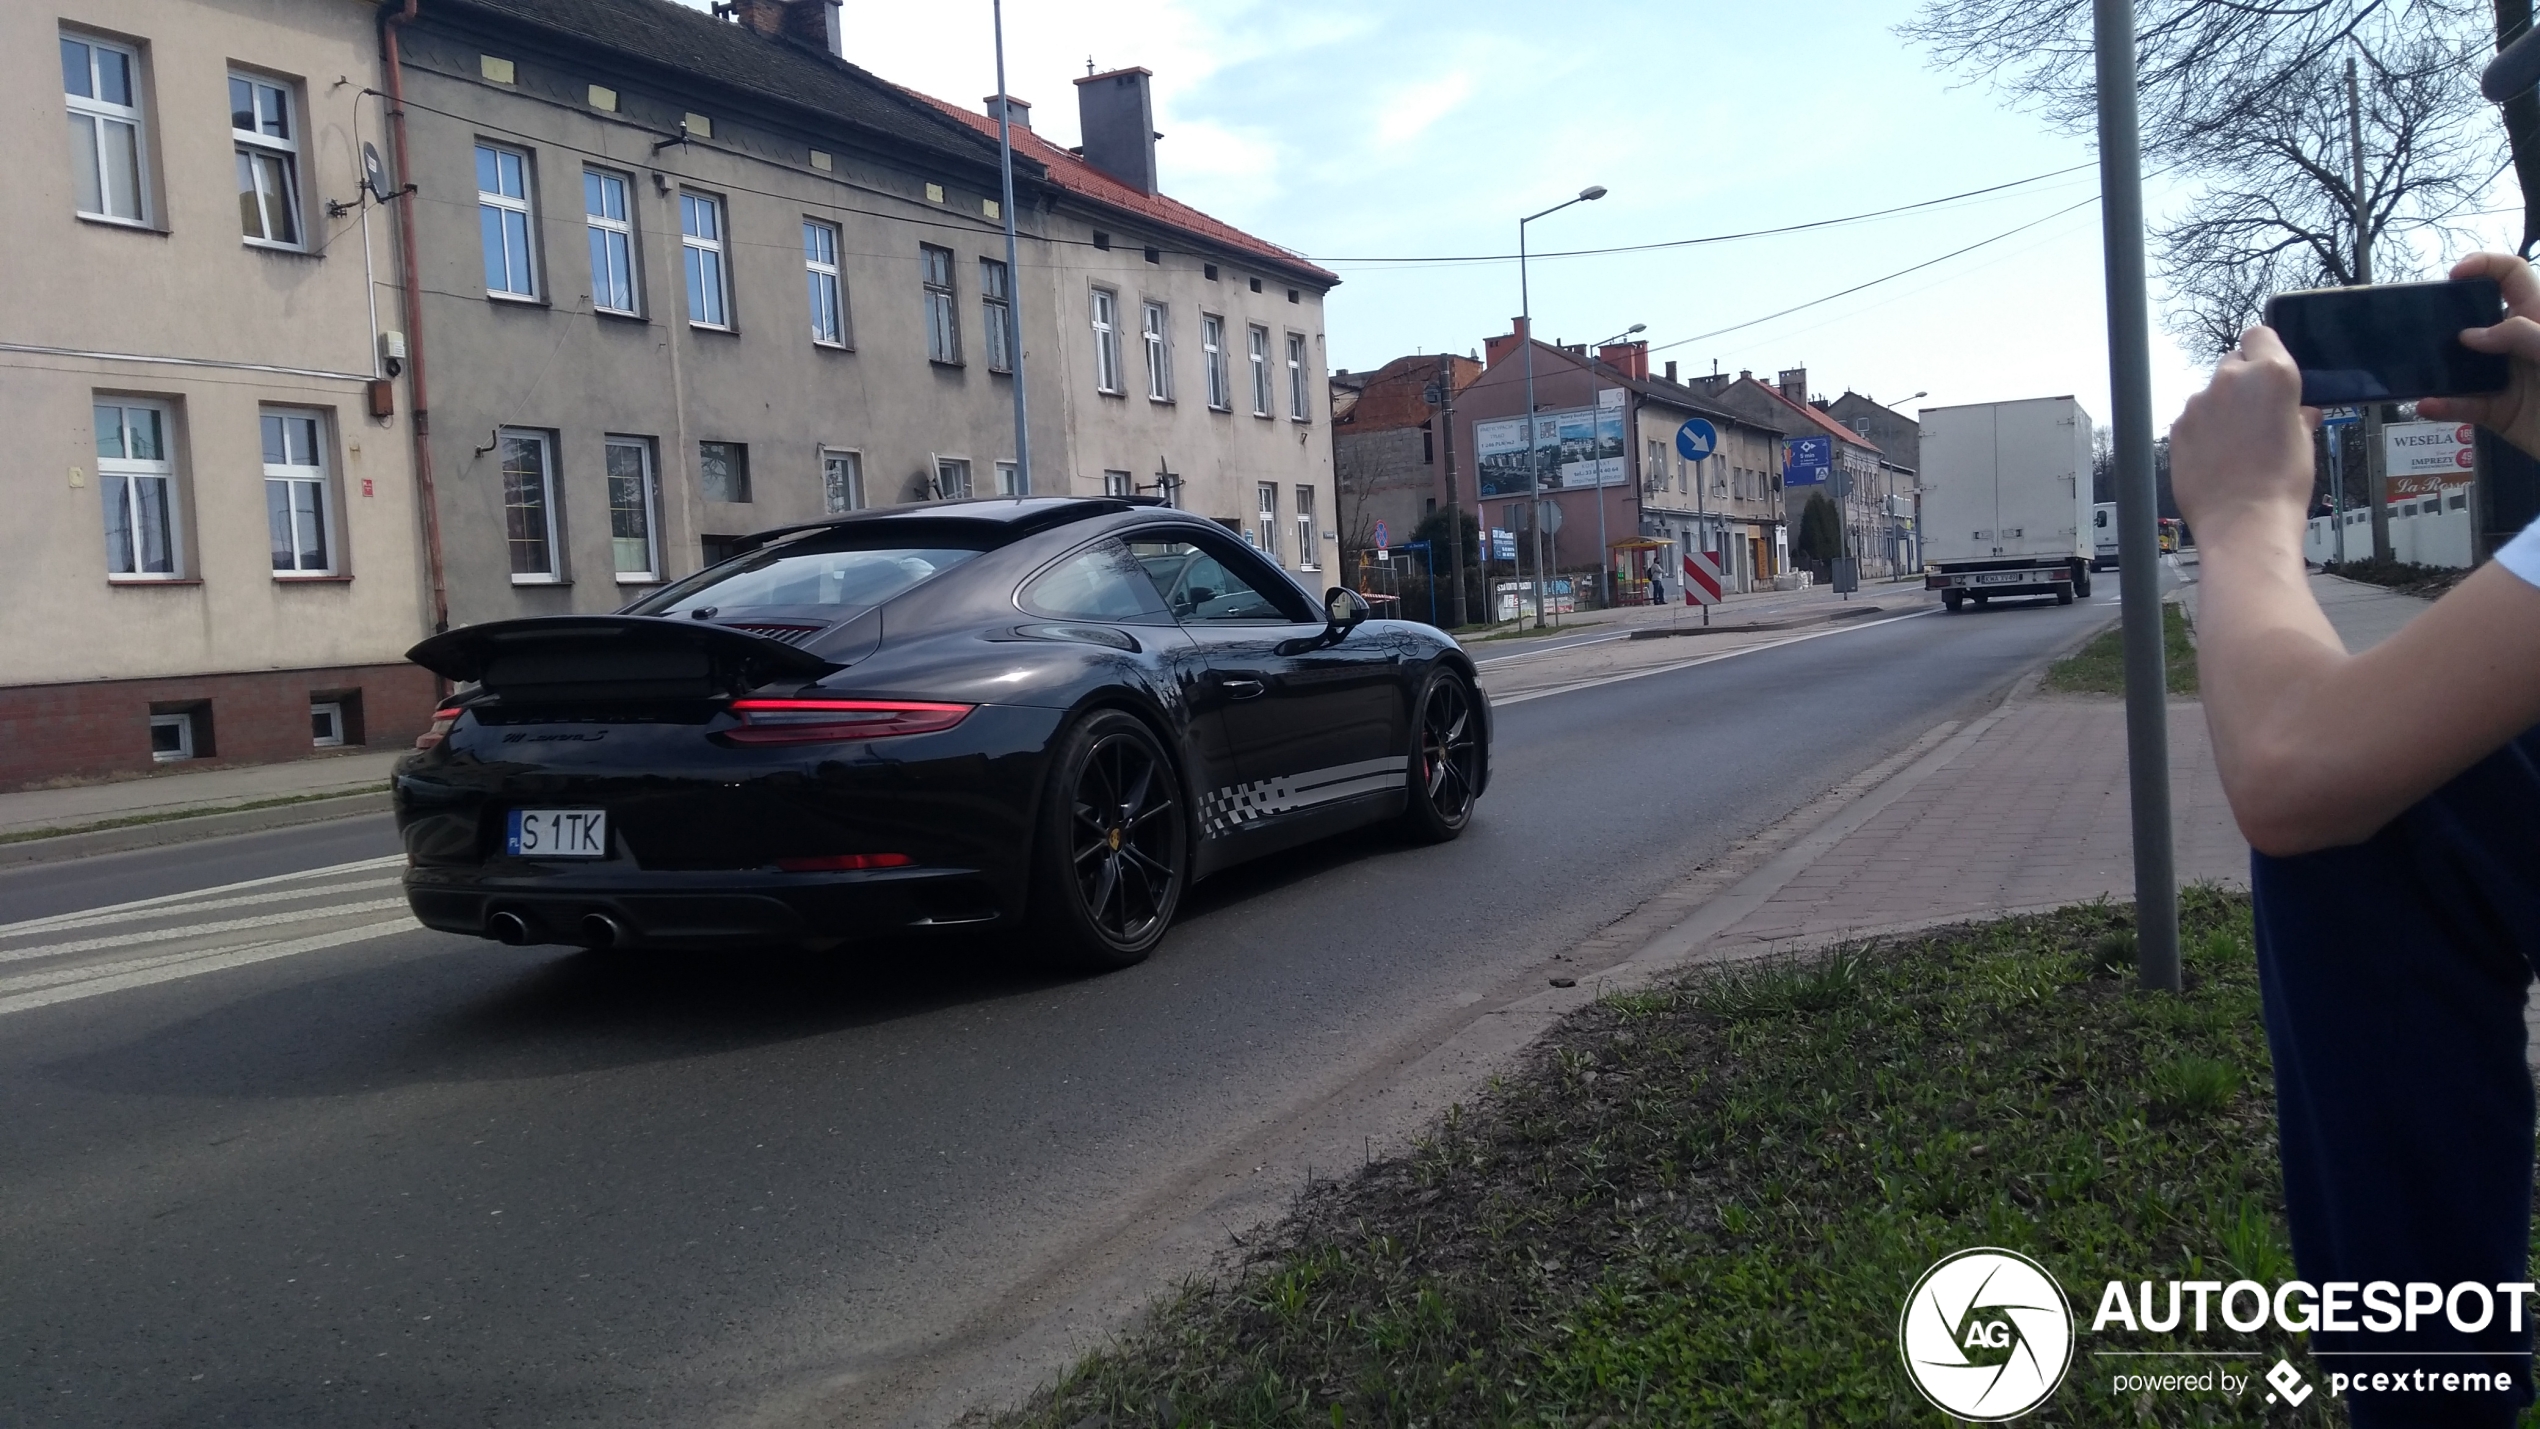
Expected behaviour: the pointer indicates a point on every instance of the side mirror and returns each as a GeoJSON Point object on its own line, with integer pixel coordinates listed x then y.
{"type": "Point", "coordinates": [1343, 609]}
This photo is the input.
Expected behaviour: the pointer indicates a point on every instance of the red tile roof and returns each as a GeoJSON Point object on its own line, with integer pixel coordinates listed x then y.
{"type": "Point", "coordinates": [1071, 172]}
{"type": "Point", "coordinates": [1817, 417]}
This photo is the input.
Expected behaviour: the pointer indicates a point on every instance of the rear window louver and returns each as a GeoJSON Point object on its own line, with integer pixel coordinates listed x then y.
{"type": "Point", "coordinates": [790, 634]}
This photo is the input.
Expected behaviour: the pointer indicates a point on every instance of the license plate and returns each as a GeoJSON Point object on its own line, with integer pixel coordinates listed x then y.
{"type": "Point", "coordinates": [2003, 578]}
{"type": "Point", "coordinates": [558, 833]}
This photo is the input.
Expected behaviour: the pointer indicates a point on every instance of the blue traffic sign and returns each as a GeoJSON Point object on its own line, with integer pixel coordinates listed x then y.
{"type": "Point", "coordinates": [1807, 460]}
{"type": "Point", "coordinates": [1380, 535]}
{"type": "Point", "coordinates": [1696, 439]}
{"type": "Point", "coordinates": [2340, 416]}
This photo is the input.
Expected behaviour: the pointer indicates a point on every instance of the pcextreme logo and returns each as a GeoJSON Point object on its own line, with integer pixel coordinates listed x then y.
{"type": "Point", "coordinates": [1986, 1334]}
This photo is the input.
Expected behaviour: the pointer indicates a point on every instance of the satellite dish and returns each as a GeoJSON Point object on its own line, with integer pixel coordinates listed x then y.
{"type": "Point", "coordinates": [374, 173]}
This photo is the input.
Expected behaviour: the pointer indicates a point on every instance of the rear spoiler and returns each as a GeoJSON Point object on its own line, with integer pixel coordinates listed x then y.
{"type": "Point", "coordinates": [564, 657]}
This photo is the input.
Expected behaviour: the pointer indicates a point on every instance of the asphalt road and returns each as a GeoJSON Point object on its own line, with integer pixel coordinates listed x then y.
{"type": "Point", "coordinates": [418, 1179]}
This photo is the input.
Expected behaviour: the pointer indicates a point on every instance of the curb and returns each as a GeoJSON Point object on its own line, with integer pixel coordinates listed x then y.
{"type": "Point", "coordinates": [186, 828]}
{"type": "Point", "coordinates": [1670, 632]}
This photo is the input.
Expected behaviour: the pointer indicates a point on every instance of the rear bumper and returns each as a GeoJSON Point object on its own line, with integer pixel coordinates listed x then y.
{"type": "Point", "coordinates": [2027, 580]}
{"type": "Point", "coordinates": [697, 910]}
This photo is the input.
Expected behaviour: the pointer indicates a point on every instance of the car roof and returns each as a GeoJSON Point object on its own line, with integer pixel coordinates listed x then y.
{"type": "Point", "coordinates": [1001, 518]}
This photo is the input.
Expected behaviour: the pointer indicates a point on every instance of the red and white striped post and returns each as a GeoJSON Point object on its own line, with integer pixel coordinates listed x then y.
{"type": "Point", "coordinates": [1702, 581]}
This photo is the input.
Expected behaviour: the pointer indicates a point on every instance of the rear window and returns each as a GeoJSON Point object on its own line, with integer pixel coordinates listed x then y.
{"type": "Point", "coordinates": [803, 575]}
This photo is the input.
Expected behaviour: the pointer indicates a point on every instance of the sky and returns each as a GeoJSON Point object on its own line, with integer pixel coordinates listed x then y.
{"type": "Point", "coordinates": [1354, 130]}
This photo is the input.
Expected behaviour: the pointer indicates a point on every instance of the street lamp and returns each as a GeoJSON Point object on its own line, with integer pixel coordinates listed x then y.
{"type": "Point", "coordinates": [1526, 319]}
{"type": "Point", "coordinates": [1596, 429]}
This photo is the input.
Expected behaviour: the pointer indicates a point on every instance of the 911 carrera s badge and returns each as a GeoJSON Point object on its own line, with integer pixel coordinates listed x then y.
{"type": "Point", "coordinates": [1238, 806]}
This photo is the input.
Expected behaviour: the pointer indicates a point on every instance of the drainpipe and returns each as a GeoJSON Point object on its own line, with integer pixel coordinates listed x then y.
{"type": "Point", "coordinates": [410, 279]}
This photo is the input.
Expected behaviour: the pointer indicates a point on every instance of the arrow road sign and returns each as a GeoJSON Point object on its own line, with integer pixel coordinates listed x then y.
{"type": "Point", "coordinates": [1697, 439]}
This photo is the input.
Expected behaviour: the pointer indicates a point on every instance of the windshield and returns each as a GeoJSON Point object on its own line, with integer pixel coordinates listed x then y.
{"type": "Point", "coordinates": [803, 574]}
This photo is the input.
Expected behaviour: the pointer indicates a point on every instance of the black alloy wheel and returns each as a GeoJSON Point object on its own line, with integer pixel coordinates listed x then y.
{"type": "Point", "coordinates": [1446, 760]}
{"type": "Point", "coordinates": [1114, 850]}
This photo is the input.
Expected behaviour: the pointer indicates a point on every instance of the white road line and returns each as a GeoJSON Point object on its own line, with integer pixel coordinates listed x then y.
{"type": "Point", "coordinates": [170, 971]}
{"type": "Point", "coordinates": [38, 925]}
{"type": "Point", "coordinates": [1503, 701]}
{"type": "Point", "coordinates": [68, 921]}
{"type": "Point", "coordinates": [1552, 649]}
{"type": "Point", "coordinates": [229, 925]}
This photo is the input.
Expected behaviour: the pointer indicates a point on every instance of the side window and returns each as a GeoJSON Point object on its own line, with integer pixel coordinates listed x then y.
{"type": "Point", "coordinates": [1200, 588]}
{"type": "Point", "coordinates": [1101, 582]}
{"type": "Point", "coordinates": [101, 88]}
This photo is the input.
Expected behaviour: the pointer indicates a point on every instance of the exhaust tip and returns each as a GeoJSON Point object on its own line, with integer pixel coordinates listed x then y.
{"type": "Point", "coordinates": [599, 930]}
{"type": "Point", "coordinates": [508, 928]}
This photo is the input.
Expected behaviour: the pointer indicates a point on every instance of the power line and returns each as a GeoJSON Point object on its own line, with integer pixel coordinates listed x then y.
{"type": "Point", "coordinates": [1726, 237]}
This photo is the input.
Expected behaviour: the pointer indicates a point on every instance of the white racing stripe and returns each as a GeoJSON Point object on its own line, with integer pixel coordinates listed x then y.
{"type": "Point", "coordinates": [1503, 701]}
{"type": "Point", "coordinates": [169, 970]}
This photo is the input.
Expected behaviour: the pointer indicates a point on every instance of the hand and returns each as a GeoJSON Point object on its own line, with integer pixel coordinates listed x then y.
{"type": "Point", "coordinates": [2243, 445]}
{"type": "Point", "coordinates": [2514, 413]}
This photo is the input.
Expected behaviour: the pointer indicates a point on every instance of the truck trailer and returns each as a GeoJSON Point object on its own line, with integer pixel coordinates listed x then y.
{"type": "Point", "coordinates": [2006, 500]}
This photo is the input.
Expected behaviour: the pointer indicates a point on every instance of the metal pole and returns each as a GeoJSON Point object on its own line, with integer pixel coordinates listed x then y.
{"type": "Point", "coordinates": [1701, 525]}
{"type": "Point", "coordinates": [2376, 476]}
{"type": "Point", "coordinates": [2337, 488]}
{"type": "Point", "coordinates": [1534, 463]}
{"type": "Point", "coordinates": [2138, 535]}
{"type": "Point", "coordinates": [1454, 512]}
{"type": "Point", "coordinates": [1013, 273]}
{"type": "Point", "coordinates": [1596, 464]}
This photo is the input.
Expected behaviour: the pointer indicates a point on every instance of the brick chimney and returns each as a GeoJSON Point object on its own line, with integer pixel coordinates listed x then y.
{"type": "Point", "coordinates": [1671, 369]}
{"type": "Point", "coordinates": [808, 22]}
{"type": "Point", "coordinates": [1117, 116]}
{"type": "Point", "coordinates": [1493, 349]}
{"type": "Point", "coordinates": [1629, 358]}
{"type": "Point", "coordinates": [1019, 109]}
{"type": "Point", "coordinates": [1793, 383]}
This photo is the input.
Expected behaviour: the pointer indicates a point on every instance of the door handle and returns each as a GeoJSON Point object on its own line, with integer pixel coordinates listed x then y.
{"type": "Point", "coordinates": [1241, 688]}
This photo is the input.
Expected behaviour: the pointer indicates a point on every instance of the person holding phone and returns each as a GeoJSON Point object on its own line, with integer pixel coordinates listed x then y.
{"type": "Point", "coordinates": [2392, 802]}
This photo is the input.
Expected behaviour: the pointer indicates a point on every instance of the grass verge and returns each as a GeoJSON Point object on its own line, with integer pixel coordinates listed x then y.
{"type": "Point", "coordinates": [1704, 1204]}
{"type": "Point", "coordinates": [169, 815]}
{"type": "Point", "coordinates": [2098, 668]}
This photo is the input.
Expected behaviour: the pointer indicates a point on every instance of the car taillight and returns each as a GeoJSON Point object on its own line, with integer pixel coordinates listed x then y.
{"type": "Point", "coordinates": [831, 721]}
{"type": "Point", "coordinates": [844, 862]}
{"type": "Point", "coordinates": [444, 720]}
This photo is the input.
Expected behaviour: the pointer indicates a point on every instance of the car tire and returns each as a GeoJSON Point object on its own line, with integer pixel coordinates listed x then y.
{"type": "Point", "coordinates": [2063, 592]}
{"type": "Point", "coordinates": [1113, 851]}
{"type": "Point", "coordinates": [1447, 754]}
{"type": "Point", "coordinates": [1953, 599]}
{"type": "Point", "coordinates": [1982, 601]}
{"type": "Point", "coordinates": [2081, 579]}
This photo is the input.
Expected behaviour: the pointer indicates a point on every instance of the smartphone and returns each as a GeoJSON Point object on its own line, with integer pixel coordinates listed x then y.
{"type": "Point", "coordinates": [2389, 342]}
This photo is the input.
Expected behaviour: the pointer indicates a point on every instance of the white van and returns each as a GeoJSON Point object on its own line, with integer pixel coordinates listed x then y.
{"type": "Point", "coordinates": [2103, 536]}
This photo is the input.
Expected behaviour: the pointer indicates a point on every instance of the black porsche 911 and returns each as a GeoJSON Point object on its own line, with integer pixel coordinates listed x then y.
{"type": "Point", "coordinates": [1049, 712]}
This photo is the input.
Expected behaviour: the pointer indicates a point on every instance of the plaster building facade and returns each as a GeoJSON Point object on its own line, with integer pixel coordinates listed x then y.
{"type": "Point", "coordinates": [1867, 512]}
{"type": "Point", "coordinates": [213, 550]}
{"type": "Point", "coordinates": [686, 278]}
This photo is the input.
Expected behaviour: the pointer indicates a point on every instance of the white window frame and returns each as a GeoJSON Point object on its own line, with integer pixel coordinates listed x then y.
{"type": "Point", "coordinates": [1104, 307]}
{"type": "Point", "coordinates": [1266, 498]}
{"type": "Point", "coordinates": [952, 478]}
{"type": "Point", "coordinates": [649, 499]}
{"type": "Point", "coordinates": [332, 711]}
{"type": "Point", "coordinates": [943, 305]}
{"type": "Point", "coordinates": [100, 114]}
{"type": "Point", "coordinates": [130, 470]}
{"type": "Point", "coordinates": [1257, 345]}
{"type": "Point", "coordinates": [824, 282]}
{"type": "Point", "coordinates": [309, 477]}
{"type": "Point", "coordinates": [1307, 548]}
{"type": "Point", "coordinates": [183, 723]}
{"type": "Point", "coordinates": [612, 239]}
{"type": "Point", "coordinates": [1119, 483]}
{"type": "Point", "coordinates": [704, 261]}
{"type": "Point", "coordinates": [1155, 322]}
{"type": "Point", "coordinates": [841, 480]}
{"type": "Point", "coordinates": [996, 313]}
{"type": "Point", "coordinates": [738, 490]}
{"type": "Point", "coordinates": [281, 152]}
{"type": "Point", "coordinates": [1300, 402]}
{"type": "Point", "coordinates": [1010, 480]}
{"type": "Point", "coordinates": [545, 445]}
{"type": "Point", "coordinates": [1212, 347]}
{"type": "Point", "coordinates": [524, 206]}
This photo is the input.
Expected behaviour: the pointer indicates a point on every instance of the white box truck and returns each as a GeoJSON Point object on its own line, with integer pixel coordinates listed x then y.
{"type": "Point", "coordinates": [2006, 500]}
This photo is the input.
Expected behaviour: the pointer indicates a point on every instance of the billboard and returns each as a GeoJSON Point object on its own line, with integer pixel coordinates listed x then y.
{"type": "Point", "coordinates": [1807, 460]}
{"type": "Point", "coordinates": [1578, 448]}
{"type": "Point", "coordinates": [2423, 457]}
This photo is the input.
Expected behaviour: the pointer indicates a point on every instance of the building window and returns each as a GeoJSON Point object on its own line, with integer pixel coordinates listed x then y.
{"type": "Point", "coordinates": [138, 482]}
{"type": "Point", "coordinates": [1267, 494]}
{"type": "Point", "coordinates": [1306, 546]}
{"type": "Point", "coordinates": [841, 481]}
{"type": "Point", "coordinates": [529, 505]}
{"type": "Point", "coordinates": [826, 286]}
{"type": "Point", "coordinates": [1300, 406]}
{"type": "Point", "coordinates": [633, 549]}
{"type": "Point", "coordinates": [100, 86]}
{"type": "Point", "coordinates": [1151, 322]}
{"type": "Point", "coordinates": [943, 320]}
{"type": "Point", "coordinates": [723, 471]}
{"type": "Point", "coordinates": [296, 504]}
{"type": "Point", "coordinates": [326, 724]}
{"type": "Point", "coordinates": [502, 216]}
{"type": "Point", "coordinates": [612, 227]}
{"type": "Point", "coordinates": [1259, 342]}
{"type": "Point", "coordinates": [172, 736]}
{"type": "Point", "coordinates": [1106, 307]}
{"type": "Point", "coordinates": [1118, 483]}
{"type": "Point", "coordinates": [701, 243]}
{"type": "Point", "coordinates": [996, 312]}
{"type": "Point", "coordinates": [952, 478]}
{"type": "Point", "coordinates": [268, 144]}
{"type": "Point", "coordinates": [1010, 480]}
{"type": "Point", "coordinates": [1212, 347]}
